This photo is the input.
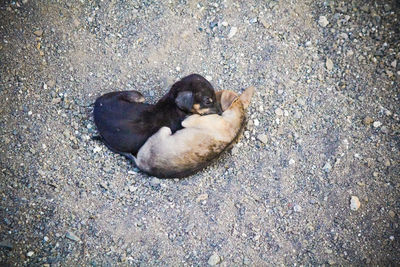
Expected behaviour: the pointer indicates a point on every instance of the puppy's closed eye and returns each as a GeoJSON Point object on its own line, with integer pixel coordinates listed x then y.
{"type": "Point", "coordinates": [207, 100]}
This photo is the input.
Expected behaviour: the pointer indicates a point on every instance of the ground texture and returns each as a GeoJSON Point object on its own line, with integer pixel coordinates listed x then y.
{"type": "Point", "coordinates": [313, 181]}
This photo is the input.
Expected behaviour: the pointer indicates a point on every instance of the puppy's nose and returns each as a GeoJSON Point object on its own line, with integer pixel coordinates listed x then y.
{"type": "Point", "coordinates": [219, 110]}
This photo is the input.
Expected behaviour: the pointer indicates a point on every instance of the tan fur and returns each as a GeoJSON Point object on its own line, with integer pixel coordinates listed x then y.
{"type": "Point", "coordinates": [202, 139]}
{"type": "Point", "coordinates": [197, 110]}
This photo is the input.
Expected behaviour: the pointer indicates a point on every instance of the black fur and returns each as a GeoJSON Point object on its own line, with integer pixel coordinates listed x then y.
{"type": "Point", "coordinates": [125, 125]}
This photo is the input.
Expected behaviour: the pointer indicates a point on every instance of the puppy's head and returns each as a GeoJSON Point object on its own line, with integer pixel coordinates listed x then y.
{"type": "Point", "coordinates": [194, 94]}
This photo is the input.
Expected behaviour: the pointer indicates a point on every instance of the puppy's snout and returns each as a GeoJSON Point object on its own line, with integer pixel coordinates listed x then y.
{"type": "Point", "coordinates": [219, 109]}
{"type": "Point", "coordinates": [214, 110]}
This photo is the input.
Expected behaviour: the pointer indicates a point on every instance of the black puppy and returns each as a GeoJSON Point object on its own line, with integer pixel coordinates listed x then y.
{"type": "Point", "coordinates": [125, 122]}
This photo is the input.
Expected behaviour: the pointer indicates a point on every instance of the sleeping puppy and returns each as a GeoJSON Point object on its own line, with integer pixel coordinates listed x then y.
{"type": "Point", "coordinates": [202, 139]}
{"type": "Point", "coordinates": [125, 122]}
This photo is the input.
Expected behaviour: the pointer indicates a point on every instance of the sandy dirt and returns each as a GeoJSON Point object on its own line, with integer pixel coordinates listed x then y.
{"type": "Point", "coordinates": [313, 181]}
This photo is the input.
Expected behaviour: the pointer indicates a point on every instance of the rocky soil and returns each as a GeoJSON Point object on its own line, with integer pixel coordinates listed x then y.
{"type": "Point", "coordinates": [314, 180]}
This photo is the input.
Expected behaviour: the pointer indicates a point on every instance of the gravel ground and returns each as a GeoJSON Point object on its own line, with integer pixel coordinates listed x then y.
{"type": "Point", "coordinates": [314, 180]}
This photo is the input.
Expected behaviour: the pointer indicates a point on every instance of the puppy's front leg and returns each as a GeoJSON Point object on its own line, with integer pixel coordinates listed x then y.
{"type": "Point", "coordinates": [191, 121]}
{"type": "Point", "coordinates": [212, 121]}
{"type": "Point", "coordinates": [164, 131]}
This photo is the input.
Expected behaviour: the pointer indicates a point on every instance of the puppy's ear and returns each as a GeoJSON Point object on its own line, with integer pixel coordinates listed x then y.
{"type": "Point", "coordinates": [246, 96]}
{"type": "Point", "coordinates": [184, 100]}
{"type": "Point", "coordinates": [218, 95]}
{"type": "Point", "coordinates": [227, 98]}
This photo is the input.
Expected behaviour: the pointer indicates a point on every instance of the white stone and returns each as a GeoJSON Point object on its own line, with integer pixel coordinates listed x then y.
{"type": "Point", "coordinates": [232, 32]}
{"type": "Point", "coordinates": [263, 138]}
{"type": "Point", "coordinates": [377, 124]}
{"type": "Point", "coordinates": [323, 21]}
{"type": "Point", "coordinates": [329, 64]}
{"type": "Point", "coordinates": [354, 203]}
{"type": "Point", "coordinates": [297, 208]}
{"type": "Point", "coordinates": [214, 259]}
{"type": "Point", "coordinates": [96, 149]}
{"type": "Point", "coordinates": [278, 112]}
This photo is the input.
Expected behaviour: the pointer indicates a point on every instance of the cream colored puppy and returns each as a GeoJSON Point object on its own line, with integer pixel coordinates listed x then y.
{"type": "Point", "coordinates": [202, 139]}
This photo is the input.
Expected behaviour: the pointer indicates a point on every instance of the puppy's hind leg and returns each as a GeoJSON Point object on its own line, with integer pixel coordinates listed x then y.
{"type": "Point", "coordinates": [132, 96]}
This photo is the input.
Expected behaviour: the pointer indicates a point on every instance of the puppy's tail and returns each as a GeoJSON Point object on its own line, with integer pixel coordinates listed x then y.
{"type": "Point", "coordinates": [96, 138]}
{"type": "Point", "coordinates": [125, 154]}
{"type": "Point", "coordinates": [130, 157]}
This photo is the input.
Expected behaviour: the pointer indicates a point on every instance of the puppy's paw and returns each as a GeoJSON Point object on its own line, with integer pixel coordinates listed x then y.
{"type": "Point", "coordinates": [165, 131]}
{"type": "Point", "coordinates": [190, 121]}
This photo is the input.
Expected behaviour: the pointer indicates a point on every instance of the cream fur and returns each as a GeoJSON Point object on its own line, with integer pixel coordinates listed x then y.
{"type": "Point", "coordinates": [202, 139]}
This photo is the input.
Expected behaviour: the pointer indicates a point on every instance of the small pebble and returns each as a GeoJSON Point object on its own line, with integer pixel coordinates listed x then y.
{"type": "Point", "coordinates": [327, 167]}
{"type": "Point", "coordinates": [365, 8]}
{"type": "Point", "coordinates": [329, 64]}
{"type": "Point", "coordinates": [278, 112]}
{"type": "Point", "coordinates": [214, 259]}
{"type": "Point", "coordinates": [246, 261]}
{"type": "Point", "coordinates": [154, 182]}
{"type": "Point", "coordinates": [368, 120]}
{"type": "Point", "coordinates": [72, 236]}
{"type": "Point", "coordinates": [51, 83]}
{"type": "Point", "coordinates": [263, 138]}
{"type": "Point", "coordinates": [38, 33]}
{"type": "Point", "coordinates": [202, 197]}
{"type": "Point", "coordinates": [256, 122]}
{"type": "Point", "coordinates": [264, 23]}
{"type": "Point", "coordinates": [97, 149]}
{"type": "Point", "coordinates": [232, 32]}
{"type": "Point", "coordinates": [344, 36]}
{"type": "Point", "coordinates": [387, 163]}
{"type": "Point", "coordinates": [391, 213]}
{"type": "Point", "coordinates": [132, 188]}
{"type": "Point", "coordinates": [286, 113]}
{"type": "Point", "coordinates": [377, 124]}
{"type": "Point", "coordinates": [6, 244]}
{"type": "Point", "coordinates": [253, 20]}
{"type": "Point", "coordinates": [354, 203]}
{"type": "Point", "coordinates": [323, 21]}
{"type": "Point", "coordinates": [30, 254]}
{"type": "Point", "coordinates": [297, 208]}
